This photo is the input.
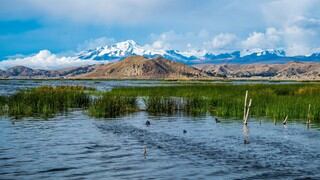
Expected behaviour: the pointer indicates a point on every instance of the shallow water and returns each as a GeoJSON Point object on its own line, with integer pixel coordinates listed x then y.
{"type": "Point", "coordinates": [76, 146]}
{"type": "Point", "coordinates": [11, 86]}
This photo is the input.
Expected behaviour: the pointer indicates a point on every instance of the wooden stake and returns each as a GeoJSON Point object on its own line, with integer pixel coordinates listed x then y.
{"type": "Point", "coordinates": [285, 120]}
{"type": "Point", "coordinates": [145, 151]}
{"type": "Point", "coordinates": [248, 111]}
{"type": "Point", "coordinates": [245, 106]}
{"type": "Point", "coordinates": [308, 117]}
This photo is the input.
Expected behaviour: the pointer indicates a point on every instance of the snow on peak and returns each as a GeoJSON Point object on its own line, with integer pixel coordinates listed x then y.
{"type": "Point", "coordinates": [119, 50]}
{"type": "Point", "coordinates": [261, 52]}
{"type": "Point", "coordinates": [193, 53]}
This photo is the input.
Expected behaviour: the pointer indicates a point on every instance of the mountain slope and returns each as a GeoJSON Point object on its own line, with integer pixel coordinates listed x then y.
{"type": "Point", "coordinates": [291, 70]}
{"type": "Point", "coordinates": [26, 72]}
{"type": "Point", "coordinates": [138, 67]}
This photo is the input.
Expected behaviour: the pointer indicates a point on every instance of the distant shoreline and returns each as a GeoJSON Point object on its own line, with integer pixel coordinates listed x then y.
{"type": "Point", "coordinates": [168, 80]}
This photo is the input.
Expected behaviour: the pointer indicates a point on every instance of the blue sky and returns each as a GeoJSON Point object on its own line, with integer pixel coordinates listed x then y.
{"type": "Point", "coordinates": [67, 26]}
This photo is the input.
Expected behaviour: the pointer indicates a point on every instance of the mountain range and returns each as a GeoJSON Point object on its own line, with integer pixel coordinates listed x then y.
{"type": "Point", "coordinates": [128, 48]}
{"type": "Point", "coordinates": [139, 67]}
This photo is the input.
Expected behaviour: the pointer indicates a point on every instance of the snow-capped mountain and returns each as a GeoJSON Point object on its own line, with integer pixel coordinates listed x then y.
{"type": "Point", "coordinates": [118, 51]}
{"type": "Point", "coordinates": [127, 48]}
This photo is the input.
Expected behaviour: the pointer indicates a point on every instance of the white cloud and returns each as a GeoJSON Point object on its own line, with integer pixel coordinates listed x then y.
{"type": "Point", "coordinates": [190, 41]}
{"type": "Point", "coordinates": [263, 40]}
{"type": "Point", "coordinates": [297, 26]}
{"type": "Point", "coordinates": [180, 41]}
{"type": "Point", "coordinates": [46, 60]}
{"type": "Point", "coordinates": [223, 40]}
{"type": "Point", "coordinates": [94, 43]}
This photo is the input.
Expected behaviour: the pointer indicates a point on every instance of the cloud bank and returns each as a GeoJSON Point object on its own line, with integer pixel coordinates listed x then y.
{"type": "Point", "coordinates": [47, 61]}
{"type": "Point", "coordinates": [217, 26]}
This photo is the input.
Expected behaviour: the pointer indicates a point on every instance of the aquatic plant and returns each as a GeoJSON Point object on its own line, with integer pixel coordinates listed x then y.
{"type": "Point", "coordinates": [46, 101]}
{"type": "Point", "coordinates": [274, 101]}
{"type": "Point", "coordinates": [226, 100]}
{"type": "Point", "coordinates": [3, 105]}
{"type": "Point", "coordinates": [162, 105]}
{"type": "Point", "coordinates": [195, 105]}
{"type": "Point", "coordinates": [108, 106]}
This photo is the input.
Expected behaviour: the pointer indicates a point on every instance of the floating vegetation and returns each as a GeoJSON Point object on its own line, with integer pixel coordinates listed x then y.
{"type": "Point", "coordinates": [46, 101]}
{"type": "Point", "coordinates": [108, 106]}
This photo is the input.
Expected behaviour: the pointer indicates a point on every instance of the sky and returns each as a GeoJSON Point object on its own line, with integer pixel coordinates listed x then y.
{"type": "Point", "coordinates": [68, 26]}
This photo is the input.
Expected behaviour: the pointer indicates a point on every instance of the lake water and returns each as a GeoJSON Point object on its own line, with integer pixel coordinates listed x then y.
{"type": "Point", "coordinates": [75, 146]}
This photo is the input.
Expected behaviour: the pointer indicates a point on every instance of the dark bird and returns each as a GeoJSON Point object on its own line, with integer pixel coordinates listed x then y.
{"type": "Point", "coordinates": [184, 131]}
{"type": "Point", "coordinates": [217, 120]}
{"type": "Point", "coordinates": [148, 123]}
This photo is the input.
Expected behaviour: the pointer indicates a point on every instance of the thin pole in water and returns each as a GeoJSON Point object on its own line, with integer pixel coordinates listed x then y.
{"type": "Point", "coordinates": [308, 116]}
{"type": "Point", "coordinates": [285, 120]}
{"type": "Point", "coordinates": [145, 151]}
{"type": "Point", "coordinates": [248, 111]}
{"type": "Point", "coordinates": [245, 106]}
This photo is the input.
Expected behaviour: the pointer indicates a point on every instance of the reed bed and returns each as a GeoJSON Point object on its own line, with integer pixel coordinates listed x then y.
{"type": "Point", "coordinates": [274, 101]}
{"type": "Point", "coordinates": [3, 105]}
{"type": "Point", "coordinates": [109, 106]}
{"type": "Point", "coordinates": [162, 105]}
{"type": "Point", "coordinates": [195, 105]}
{"type": "Point", "coordinates": [46, 101]}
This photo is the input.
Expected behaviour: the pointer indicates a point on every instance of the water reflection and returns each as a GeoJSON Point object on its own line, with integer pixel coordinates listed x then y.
{"type": "Point", "coordinates": [245, 130]}
{"type": "Point", "coordinates": [76, 146]}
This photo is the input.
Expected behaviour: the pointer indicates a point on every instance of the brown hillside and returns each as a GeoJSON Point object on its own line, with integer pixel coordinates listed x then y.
{"type": "Point", "coordinates": [138, 67]}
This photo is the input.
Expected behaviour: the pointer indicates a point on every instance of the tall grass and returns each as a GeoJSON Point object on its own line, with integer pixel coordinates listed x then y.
{"type": "Point", "coordinates": [108, 106]}
{"type": "Point", "coordinates": [196, 105]}
{"type": "Point", "coordinates": [3, 105]}
{"type": "Point", "coordinates": [162, 105]}
{"type": "Point", "coordinates": [226, 100]}
{"type": "Point", "coordinates": [46, 101]}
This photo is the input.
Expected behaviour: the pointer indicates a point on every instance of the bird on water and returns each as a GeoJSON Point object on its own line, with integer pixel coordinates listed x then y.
{"type": "Point", "coordinates": [148, 123]}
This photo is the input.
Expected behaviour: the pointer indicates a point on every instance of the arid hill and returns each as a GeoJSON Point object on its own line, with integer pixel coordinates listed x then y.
{"type": "Point", "coordinates": [138, 67]}
{"type": "Point", "coordinates": [18, 72]}
{"type": "Point", "coordinates": [291, 70]}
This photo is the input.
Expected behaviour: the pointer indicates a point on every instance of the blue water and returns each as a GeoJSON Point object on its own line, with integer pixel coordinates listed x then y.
{"type": "Point", "coordinates": [75, 146]}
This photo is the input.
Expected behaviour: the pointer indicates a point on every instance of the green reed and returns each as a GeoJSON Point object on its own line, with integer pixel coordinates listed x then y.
{"type": "Point", "coordinates": [162, 105]}
{"type": "Point", "coordinates": [3, 105]}
{"type": "Point", "coordinates": [46, 101]}
{"type": "Point", "coordinates": [227, 100]}
{"type": "Point", "coordinates": [108, 106]}
{"type": "Point", "coordinates": [274, 101]}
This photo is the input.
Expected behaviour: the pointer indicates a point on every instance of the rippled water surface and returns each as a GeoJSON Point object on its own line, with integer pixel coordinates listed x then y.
{"type": "Point", "coordinates": [74, 146]}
